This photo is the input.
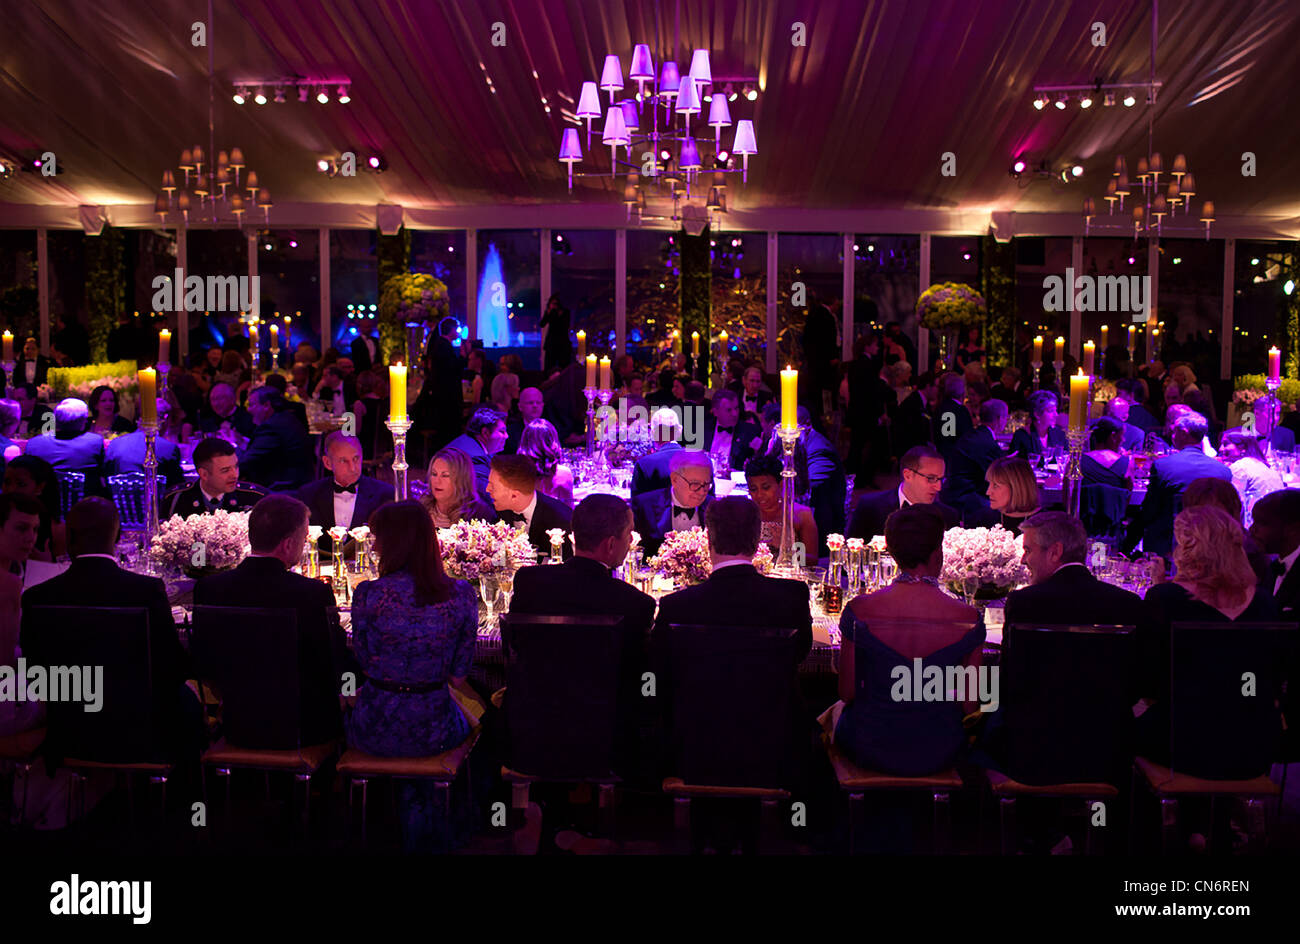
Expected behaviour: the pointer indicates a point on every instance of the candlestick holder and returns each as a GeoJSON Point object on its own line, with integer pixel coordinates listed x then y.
{"type": "Point", "coordinates": [1037, 368]}
{"type": "Point", "coordinates": [340, 573]}
{"type": "Point", "coordinates": [1059, 367]}
{"type": "Point", "coordinates": [163, 369]}
{"type": "Point", "coordinates": [398, 427]}
{"type": "Point", "coordinates": [1072, 480]}
{"type": "Point", "coordinates": [785, 559]}
{"type": "Point", "coordinates": [1271, 408]}
{"type": "Point", "coordinates": [9, 376]}
{"type": "Point", "coordinates": [150, 483]}
{"type": "Point", "coordinates": [275, 358]}
{"type": "Point", "coordinates": [590, 394]}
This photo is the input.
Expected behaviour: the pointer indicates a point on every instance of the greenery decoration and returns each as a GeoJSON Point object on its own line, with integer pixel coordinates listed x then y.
{"type": "Point", "coordinates": [998, 284]}
{"type": "Point", "coordinates": [406, 297]}
{"type": "Point", "coordinates": [946, 305]}
{"type": "Point", "coordinates": [63, 379]}
{"type": "Point", "coordinates": [105, 287]}
{"type": "Point", "coordinates": [1248, 384]}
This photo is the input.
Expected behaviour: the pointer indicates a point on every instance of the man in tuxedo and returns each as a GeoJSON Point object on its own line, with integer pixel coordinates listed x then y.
{"type": "Point", "coordinates": [126, 452]}
{"type": "Point", "coordinates": [531, 404]}
{"type": "Point", "coordinates": [347, 498]}
{"type": "Point", "coordinates": [277, 530]}
{"type": "Point", "coordinates": [923, 474]}
{"type": "Point", "coordinates": [650, 472]}
{"type": "Point", "coordinates": [485, 435]}
{"type": "Point", "coordinates": [94, 579]}
{"type": "Point", "coordinates": [71, 448]}
{"type": "Point", "coordinates": [364, 350]}
{"type": "Point", "coordinates": [218, 487]}
{"type": "Point", "coordinates": [1119, 408]}
{"type": "Point", "coordinates": [964, 486]}
{"type": "Point", "coordinates": [333, 390]}
{"type": "Point", "coordinates": [726, 435]}
{"type": "Point", "coordinates": [224, 414]}
{"type": "Point", "coordinates": [1169, 476]}
{"type": "Point", "coordinates": [32, 411]}
{"type": "Point", "coordinates": [1276, 527]}
{"type": "Point", "coordinates": [1135, 391]}
{"type": "Point", "coordinates": [33, 367]}
{"type": "Point", "coordinates": [679, 507]}
{"type": "Point", "coordinates": [1007, 389]}
{"type": "Point", "coordinates": [752, 395]}
{"type": "Point", "coordinates": [279, 452]}
{"type": "Point", "coordinates": [512, 486]}
{"type": "Point", "coordinates": [950, 420]}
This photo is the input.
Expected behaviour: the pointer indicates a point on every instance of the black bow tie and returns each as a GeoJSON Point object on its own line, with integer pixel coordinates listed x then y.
{"type": "Point", "coordinates": [1278, 568]}
{"type": "Point", "coordinates": [726, 429]}
{"type": "Point", "coordinates": [511, 517]}
{"type": "Point", "coordinates": [679, 510]}
{"type": "Point", "coordinates": [339, 489]}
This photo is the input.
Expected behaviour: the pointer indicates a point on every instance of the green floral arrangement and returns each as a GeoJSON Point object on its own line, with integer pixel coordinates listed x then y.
{"type": "Point", "coordinates": [950, 305]}
{"type": "Point", "coordinates": [406, 297]}
{"type": "Point", "coordinates": [1248, 384]}
{"type": "Point", "coordinates": [65, 380]}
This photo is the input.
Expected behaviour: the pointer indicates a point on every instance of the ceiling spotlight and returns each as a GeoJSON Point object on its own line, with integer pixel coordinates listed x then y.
{"type": "Point", "coordinates": [732, 94]}
{"type": "Point", "coordinates": [1017, 169]}
{"type": "Point", "coordinates": [751, 93]}
{"type": "Point", "coordinates": [377, 163]}
{"type": "Point", "coordinates": [293, 244]}
{"type": "Point", "coordinates": [239, 96]}
{"type": "Point", "coordinates": [1076, 170]}
{"type": "Point", "coordinates": [323, 97]}
{"type": "Point", "coordinates": [665, 155]}
{"type": "Point", "coordinates": [279, 95]}
{"type": "Point", "coordinates": [1040, 102]}
{"type": "Point", "coordinates": [722, 158]}
{"type": "Point", "coordinates": [1109, 100]}
{"type": "Point", "coordinates": [1129, 100]}
{"type": "Point", "coordinates": [1061, 101]}
{"type": "Point", "coordinates": [323, 165]}
{"type": "Point", "coordinates": [303, 92]}
{"type": "Point", "coordinates": [1085, 100]}
{"type": "Point", "coordinates": [260, 97]}
{"type": "Point", "coordinates": [344, 94]}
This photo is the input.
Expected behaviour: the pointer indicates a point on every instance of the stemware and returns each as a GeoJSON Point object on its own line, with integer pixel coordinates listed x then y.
{"type": "Point", "coordinates": [489, 586]}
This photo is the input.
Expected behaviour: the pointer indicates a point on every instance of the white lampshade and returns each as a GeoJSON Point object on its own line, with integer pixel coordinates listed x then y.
{"type": "Point", "coordinates": [700, 70]}
{"type": "Point", "coordinates": [570, 148]}
{"type": "Point", "coordinates": [588, 101]}
{"type": "Point", "coordinates": [688, 97]}
{"type": "Point", "coordinates": [615, 129]}
{"type": "Point", "coordinates": [611, 78]}
{"type": "Point", "coordinates": [719, 112]}
{"type": "Point", "coordinates": [745, 142]}
{"type": "Point", "coordinates": [643, 66]}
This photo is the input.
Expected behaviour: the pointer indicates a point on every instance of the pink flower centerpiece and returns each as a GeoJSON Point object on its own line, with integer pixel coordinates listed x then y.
{"type": "Point", "coordinates": [684, 556]}
{"type": "Point", "coordinates": [201, 544]}
{"type": "Point", "coordinates": [471, 549]}
{"type": "Point", "coordinates": [983, 561]}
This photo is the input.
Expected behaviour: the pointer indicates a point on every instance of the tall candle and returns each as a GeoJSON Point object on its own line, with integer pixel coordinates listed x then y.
{"type": "Point", "coordinates": [1060, 349]}
{"type": "Point", "coordinates": [1105, 330]}
{"type": "Point", "coordinates": [148, 380]}
{"type": "Point", "coordinates": [1038, 349]}
{"type": "Point", "coordinates": [695, 344]}
{"type": "Point", "coordinates": [286, 329]}
{"type": "Point", "coordinates": [1078, 400]}
{"type": "Point", "coordinates": [8, 337]}
{"type": "Point", "coordinates": [252, 338]}
{"type": "Point", "coordinates": [275, 337]}
{"type": "Point", "coordinates": [722, 339]}
{"type": "Point", "coordinates": [397, 392]}
{"type": "Point", "coordinates": [164, 346]}
{"type": "Point", "coordinates": [1089, 357]}
{"type": "Point", "coordinates": [591, 371]}
{"type": "Point", "coordinates": [604, 372]}
{"type": "Point", "coordinates": [1132, 333]}
{"type": "Point", "coordinates": [582, 345]}
{"type": "Point", "coordinates": [1274, 361]}
{"type": "Point", "coordinates": [677, 341]}
{"type": "Point", "coordinates": [1153, 342]}
{"type": "Point", "coordinates": [789, 397]}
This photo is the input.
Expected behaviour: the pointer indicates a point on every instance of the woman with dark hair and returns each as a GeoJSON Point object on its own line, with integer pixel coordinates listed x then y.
{"type": "Point", "coordinates": [1103, 464]}
{"type": "Point", "coordinates": [1043, 435]}
{"type": "Point", "coordinates": [557, 351]}
{"type": "Point", "coordinates": [1251, 473]}
{"type": "Point", "coordinates": [34, 477]}
{"type": "Point", "coordinates": [763, 476]}
{"type": "Point", "coordinates": [104, 417]}
{"type": "Point", "coordinates": [413, 634]}
{"type": "Point", "coordinates": [971, 352]}
{"type": "Point", "coordinates": [541, 443]}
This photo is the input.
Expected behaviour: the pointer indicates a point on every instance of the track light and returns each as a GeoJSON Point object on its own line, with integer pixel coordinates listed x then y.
{"type": "Point", "coordinates": [1076, 170]}
{"type": "Point", "coordinates": [323, 166]}
{"type": "Point", "coordinates": [1129, 100]}
{"type": "Point", "coordinates": [343, 95]}
{"type": "Point", "coordinates": [239, 96]}
{"type": "Point", "coordinates": [1017, 169]}
{"type": "Point", "coordinates": [377, 163]}
{"type": "Point", "coordinates": [279, 94]}
{"type": "Point", "coordinates": [260, 97]}
{"type": "Point", "coordinates": [751, 93]}
{"type": "Point", "coordinates": [732, 94]}
{"type": "Point", "coordinates": [1040, 102]}
{"type": "Point", "coordinates": [1061, 100]}
{"type": "Point", "coordinates": [1085, 100]}
{"type": "Point", "coordinates": [323, 96]}
{"type": "Point", "coordinates": [303, 92]}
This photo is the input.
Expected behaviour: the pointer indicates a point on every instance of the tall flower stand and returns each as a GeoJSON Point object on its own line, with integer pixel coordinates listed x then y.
{"type": "Point", "coordinates": [399, 428]}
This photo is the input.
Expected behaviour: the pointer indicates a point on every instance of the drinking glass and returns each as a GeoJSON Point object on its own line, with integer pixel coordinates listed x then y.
{"type": "Point", "coordinates": [489, 587]}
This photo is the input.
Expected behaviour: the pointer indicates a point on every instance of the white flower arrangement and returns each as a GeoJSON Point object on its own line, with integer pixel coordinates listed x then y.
{"type": "Point", "coordinates": [684, 556]}
{"type": "Point", "coordinates": [983, 557]}
{"type": "Point", "coordinates": [210, 542]}
{"type": "Point", "coordinates": [471, 549]}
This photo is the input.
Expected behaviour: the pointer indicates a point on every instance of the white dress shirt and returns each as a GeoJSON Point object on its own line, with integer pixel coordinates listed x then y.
{"type": "Point", "coordinates": [30, 367]}
{"type": "Point", "coordinates": [528, 512]}
{"type": "Point", "coordinates": [684, 522]}
{"type": "Point", "coordinates": [903, 500]}
{"type": "Point", "coordinates": [345, 504]}
{"type": "Point", "coordinates": [1288, 562]}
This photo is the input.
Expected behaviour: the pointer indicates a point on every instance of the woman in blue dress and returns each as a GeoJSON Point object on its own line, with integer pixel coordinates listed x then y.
{"type": "Point", "coordinates": [413, 633]}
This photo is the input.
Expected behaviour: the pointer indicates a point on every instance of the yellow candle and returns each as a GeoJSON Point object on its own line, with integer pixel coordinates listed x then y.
{"type": "Point", "coordinates": [397, 392]}
{"type": "Point", "coordinates": [582, 345]}
{"type": "Point", "coordinates": [1274, 359]}
{"type": "Point", "coordinates": [1038, 349]}
{"type": "Point", "coordinates": [1105, 330]}
{"type": "Point", "coordinates": [275, 337]}
{"type": "Point", "coordinates": [1060, 349]}
{"type": "Point", "coordinates": [8, 345]}
{"type": "Point", "coordinates": [148, 380]}
{"type": "Point", "coordinates": [677, 341]}
{"type": "Point", "coordinates": [604, 372]}
{"type": "Point", "coordinates": [722, 339]}
{"type": "Point", "coordinates": [1089, 357]}
{"type": "Point", "coordinates": [1153, 342]}
{"type": "Point", "coordinates": [1078, 400]}
{"type": "Point", "coordinates": [695, 343]}
{"type": "Point", "coordinates": [164, 346]}
{"type": "Point", "coordinates": [591, 371]}
{"type": "Point", "coordinates": [1132, 333]}
{"type": "Point", "coordinates": [789, 397]}
{"type": "Point", "coordinates": [252, 338]}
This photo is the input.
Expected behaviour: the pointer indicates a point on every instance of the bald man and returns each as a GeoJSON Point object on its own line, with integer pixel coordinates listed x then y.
{"type": "Point", "coordinates": [530, 405]}
{"type": "Point", "coordinates": [347, 498]}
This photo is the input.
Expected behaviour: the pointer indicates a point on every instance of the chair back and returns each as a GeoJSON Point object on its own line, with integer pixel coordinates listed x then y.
{"type": "Point", "coordinates": [72, 489]}
{"type": "Point", "coordinates": [1067, 696]}
{"type": "Point", "coordinates": [128, 491]}
{"type": "Point", "coordinates": [117, 638]}
{"type": "Point", "coordinates": [1102, 508]}
{"type": "Point", "coordinates": [249, 657]}
{"type": "Point", "coordinates": [1225, 683]}
{"type": "Point", "coordinates": [562, 692]}
{"type": "Point", "coordinates": [732, 691]}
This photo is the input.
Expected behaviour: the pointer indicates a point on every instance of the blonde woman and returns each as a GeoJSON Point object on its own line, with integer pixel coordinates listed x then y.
{"type": "Point", "coordinates": [505, 392]}
{"type": "Point", "coordinates": [452, 496]}
{"type": "Point", "coordinates": [541, 443]}
{"type": "Point", "coordinates": [1012, 491]}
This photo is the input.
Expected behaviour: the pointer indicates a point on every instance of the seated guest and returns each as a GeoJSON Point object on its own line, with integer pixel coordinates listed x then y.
{"type": "Point", "coordinates": [20, 519]}
{"type": "Point", "coordinates": [1169, 476]}
{"type": "Point", "coordinates": [485, 435]}
{"type": "Point", "coordinates": [753, 395]}
{"type": "Point", "coordinates": [726, 437]}
{"type": "Point", "coordinates": [126, 452]}
{"type": "Point", "coordinates": [94, 579]}
{"type": "Point", "coordinates": [347, 498]}
{"type": "Point", "coordinates": [33, 367]}
{"type": "Point", "coordinates": [1277, 531]}
{"type": "Point", "coordinates": [1213, 583]}
{"type": "Point", "coordinates": [505, 391]}
{"type": "Point", "coordinates": [541, 443]}
{"type": "Point", "coordinates": [413, 632]}
{"type": "Point", "coordinates": [277, 531]}
{"type": "Point", "coordinates": [1135, 392]}
{"type": "Point", "coordinates": [1064, 589]}
{"type": "Point", "coordinates": [1118, 408]}
{"type": "Point", "coordinates": [1221, 494]}
{"type": "Point", "coordinates": [1043, 435]}
{"type": "Point", "coordinates": [821, 477]}
{"type": "Point", "coordinates": [1251, 473]}
{"type": "Point", "coordinates": [32, 411]}
{"type": "Point", "coordinates": [963, 488]}
{"type": "Point", "coordinates": [531, 405]}
{"type": "Point", "coordinates": [453, 496]}
{"type": "Point", "coordinates": [650, 472]}
{"type": "Point", "coordinates": [332, 391]}
{"type": "Point", "coordinates": [512, 486]}
{"type": "Point", "coordinates": [34, 478]}
{"type": "Point", "coordinates": [679, 507]}
{"type": "Point", "coordinates": [105, 420]}
{"type": "Point", "coordinates": [279, 453]}
{"type": "Point", "coordinates": [218, 487]}
{"type": "Point", "coordinates": [72, 448]}
{"type": "Point", "coordinates": [1171, 417]}
{"type": "Point", "coordinates": [11, 421]}
{"type": "Point", "coordinates": [763, 475]}
{"type": "Point", "coordinates": [950, 420]}
{"type": "Point", "coordinates": [279, 383]}
{"type": "Point", "coordinates": [1013, 495]}
{"type": "Point", "coordinates": [224, 414]}
{"type": "Point", "coordinates": [906, 738]}
{"type": "Point", "coordinates": [1103, 463]}
{"type": "Point", "coordinates": [1008, 388]}
{"type": "Point", "coordinates": [922, 469]}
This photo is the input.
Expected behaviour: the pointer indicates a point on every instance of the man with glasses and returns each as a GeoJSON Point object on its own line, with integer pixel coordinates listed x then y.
{"type": "Point", "coordinates": [923, 475]}
{"type": "Point", "coordinates": [680, 506]}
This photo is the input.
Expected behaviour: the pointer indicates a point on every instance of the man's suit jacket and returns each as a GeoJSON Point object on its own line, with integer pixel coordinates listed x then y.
{"type": "Point", "coordinates": [126, 454]}
{"type": "Point", "coordinates": [42, 375]}
{"type": "Point", "coordinates": [1169, 476]}
{"type": "Point", "coordinates": [84, 453]}
{"type": "Point", "coordinates": [762, 399]}
{"type": "Point", "coordinates": [478, 457]}
{"type": "Point", "coordinates": [938, 422]}
{"type": "Point", "coordinates": [964, 486]}
{"type": "Point", "coordinates": [279, 451]}
{"type": "Point", "coordinates": [239, 421]}
{"type": "Point", "coordinates": [652, 517]}
{"type": "Point", "coordinates": [742, 434]}
{"type": "Point", "coordinates": [650, 472]}
{"type": "Point", "coordinates": [1287, 597]}
{"type": "Point", "coordinates": [362, 359]}
{"type": "Point", "coordinates": [190, 501]}
{"type": "Point", "coordinates": [264, 582]}
{"type": "Point", "coordinates": [1134, 437]}
{"type": "Point", "coordinates": [872, 510]}
{"type": "Point", "coordinates": [318, 496]}
{"type": "Point", "coordinates": [909, 423]}
{"type": "Point", "coordinates": [549, 513]}
{"type": "Point", "coordinates": [1142, 418]}
{"type": "Point", "coordinates": [826, 485]}
{"type": "Point", "coordinates": [1073, 595]}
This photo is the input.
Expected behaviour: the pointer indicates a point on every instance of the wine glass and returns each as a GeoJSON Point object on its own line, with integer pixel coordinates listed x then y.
{"type": "Point", "coordinates": [489, 587]}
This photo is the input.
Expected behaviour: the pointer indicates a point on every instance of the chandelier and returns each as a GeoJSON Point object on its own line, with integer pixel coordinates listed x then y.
{"type": "Point", "coordinates": [1153, 209]}
{"type": "Point", "coordinates": [654, 127]}
{"type": "Point", "coordinates": [212, 191]}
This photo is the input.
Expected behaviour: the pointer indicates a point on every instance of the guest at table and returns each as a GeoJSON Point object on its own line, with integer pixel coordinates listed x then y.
{"type": "Point", "coordinates": [1103, 463]}
{"type": "Point", "coordinates": [453, 495]}
{"type": "Point", "coordinates": [1136, 393]}
{"type": "Point", "coordinates": [726, 436]}
{"type": "Point", "coordinates": [277, 531]}
{"type": "Point", "coordinates": [910, 422]}
{"type": "Point", "coordinates": [234, 370]}
{"type": "Point", "coordinates": [763, 476]}
{"type": "Point", "coordinates": [218, 487]}
{"type": "Point", "coordinates": [224, 415]}
{"type": "Point", "coordinates": [33, 367]}
{"type": "Point", "coordinates": [126, 452]}
{"type": "Point", "coordinates": [365, 349]}
{"type": "Point", "coordinates": [1043, 435]}
{"type": "Point", "coordinates": [505, 392]}
{"type": "Point", "coordinates": [1276, 528]}
{"type": "Point", "coordinates": [923, 474]}
{"type": "Point", "coordinates": [1213, 583]}
{"type": "Point", "coordinates": [485, 436]}
{"type": "Point", "coordinates": [34, 413]}
{"type": "Point", "coordinates": [1012, 495]}
{"type": "Point", "coordinates": [279, 453]}
{"type": "Point", "coordinates": [20, 519]}
{"type": "Point", "coordinates": [1251, 473]}
{"type": "Point", "coordinates": [347, 499]}
{"type": "Point", "coordinates": [664, 393]}
{"type": "Point", "coordinates": [753, 396]}
{"type": "Point", "coordinates": [1119, 408]}
{"type": "Point", "coordinates": [963, 486]}
{"type": "Point", "coordinates": [1169, 476]}
{"type": "Point", "coordinates": [819, 475]}
{"type": "Point", "coordinates": [971, 351]}
{"type": "Point", "coordinates": [950, 420]}
{"type": "Point", "coordinates": [1224, 495]}
{"type": "Point", "coordinates": [479, 373]}
{"type": "Point", "coordinates": [1171, 416]}
{"type": "Point", "coordinates": [205, 372]}
{"type": "Point", "coordinates": [679, 507]}
{"type": "Point", "coordinates": [72, 448]}
{"type": "Point", "coordinates": [650, 472]}
{"type": "Point", "coordinates": [35, 478]}
{"type": "Point", "coordinates": [11, 419]}
{"type": "Point", "coordinates": [1009, 388]}
{"type": "Point", "coordinates": [512, 486]}
{"type": "Point", "coordinates": [413, 632]}
{"type": "Point", "coordinates": [105, 420]}
{"type": "Point", "coordinates": [541, 443]}
{"type": "Point", "coordinates": [877, 731]}
{"type": "Point", "coordinates": [531, 405]}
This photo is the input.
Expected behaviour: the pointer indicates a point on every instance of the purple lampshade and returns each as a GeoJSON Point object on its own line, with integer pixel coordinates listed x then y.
{"type": "Point", "coordinates": [588, 101]}
{"type": "Point", "coordinates": [700, 70]}
{"type": "Point", "coordinates": [611, 78]}
{"type": "Point", "coordinates": [719, 113]}
{"type": "Point", "coordinates": [690, 157]}
{"type": "Point", "coordinates": [745, 142]}
{"type": "Point", "coordinates": [688, 97]}
{"type": "Point", "coordinates": [570, 146]}
{"type": "Point", "coordinates": [615, 131]}
{"type": "Point", "coordinates": [160, 204]}
{"type": "Point", "coordinates": [631, 120]}
{"type": "Point", "coordinates": [643, 67]}
{"type": "Point", "coordinates": [669, 80]}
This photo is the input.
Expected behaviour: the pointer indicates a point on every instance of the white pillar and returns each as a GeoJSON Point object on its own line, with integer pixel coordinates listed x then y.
{"type": "Point", "coordinates": [326, 327]}
{"type": "Point", "coordinates": [1075, 342]}
{"type": "Point", "coordinates": [544, 241]}
{"type": "Point", "coordinates": [471, 282]}
{"type": "Point", "coordinates": [846, 345]}
{"type": "Point", "coordinates": [1153, 270]}
{"type": "Point", "coordinates": [772, 295]}
{"type": "Point", "coordinates": [182, 316]}
{"type": "Point", "coordinates": [42, 290]}
{"type": "Point", "coordinates": [252, 274]}
{"type": "Point", "coordinates": [620, 292]}
{"type": "Point", "coordinates": [922, 335]}
{"type": "Point", "coordinates": [1229, 296]}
